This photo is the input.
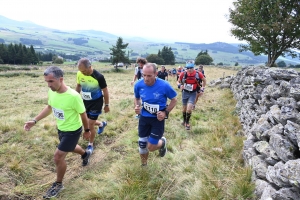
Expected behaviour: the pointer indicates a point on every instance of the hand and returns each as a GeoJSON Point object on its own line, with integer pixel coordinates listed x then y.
{"type": "Point", "coordinates": [137, 109]}
{"type": "Point", "coordinates": [28, 125]}
{"type": "Point", "coordinates": [161, 115]}
{"type": "Point", "coordinates": [86, 135]}
{"type": "Point", "coordinates": [132, 83]}
{"type": "Point", "coordinates": [106, 109]}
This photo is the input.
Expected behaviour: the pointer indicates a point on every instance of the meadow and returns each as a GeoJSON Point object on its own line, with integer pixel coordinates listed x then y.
{"type": "Point", "coordinates": [204, 163]}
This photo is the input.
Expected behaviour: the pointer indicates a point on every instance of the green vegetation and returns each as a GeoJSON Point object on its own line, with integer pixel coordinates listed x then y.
{"type": "Point", "coordinates": [269, 27]}
{"type": "Point", "coordinates": [204, 163]}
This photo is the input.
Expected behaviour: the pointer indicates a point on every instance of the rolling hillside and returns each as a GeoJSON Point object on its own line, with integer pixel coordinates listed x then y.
{"type": "Point", "coordinates": [96, 44]}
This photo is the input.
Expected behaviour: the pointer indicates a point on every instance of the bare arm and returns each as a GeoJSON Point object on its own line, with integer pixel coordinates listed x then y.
{"type": "Point", "coordinates": [137, 105]}
{"type": "Point", "coordinates": [134, 78]}
{"type": "Point", "coordinates": [161, 115]}
{"type": "Point", "coordinates": [204, 82]}
{"type": "Point", "coordinates": [85, 122]}
{"type": "Point", "coordinates": [44, 113]}
{"type": "Point", "coordinates": [78, 88]}
{"type": "Point", "coordinates": [106, 99]}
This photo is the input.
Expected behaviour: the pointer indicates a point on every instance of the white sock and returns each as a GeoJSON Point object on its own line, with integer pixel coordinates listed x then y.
{"type": "Point", "coordinates": [91, 144]}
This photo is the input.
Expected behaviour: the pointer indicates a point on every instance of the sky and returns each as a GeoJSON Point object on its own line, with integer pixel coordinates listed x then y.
{"type": "Point", "coordinates": [195, 21]}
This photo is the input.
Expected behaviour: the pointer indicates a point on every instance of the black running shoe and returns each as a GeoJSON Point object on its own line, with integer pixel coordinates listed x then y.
{"type": "Point", "coordinates": [54, 190]}
{"type": "Point", "coordinates": [163, 149]}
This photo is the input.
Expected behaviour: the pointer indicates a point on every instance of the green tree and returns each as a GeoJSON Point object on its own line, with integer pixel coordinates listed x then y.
{"type": "Point", "coordinates": [154, 58]}
{"type": "Point", "coordinates": [281, 64]}
{"type": "Point", "coordinates": [236, 64]}
{"type": "Point", "coordinates": [203, 60]}
{"type": "Point", "coordinates": [269, 27]}
{"type": "Point", "coordinates": [202, 53]}
{"type": "Point", "coordinates": [167, 55]}
{"type": "Point", "coordinates": [118, 52]}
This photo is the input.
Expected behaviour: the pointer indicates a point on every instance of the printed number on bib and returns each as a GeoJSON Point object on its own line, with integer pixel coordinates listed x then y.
{"type": "Point", "coordinates": [59, 114]}
{"type": "Point", "coordinates": [86, 95]}
{"type": "Point", "coordinates": [188, 87]}
{"type": "Point", "coordinates": [151, 108]}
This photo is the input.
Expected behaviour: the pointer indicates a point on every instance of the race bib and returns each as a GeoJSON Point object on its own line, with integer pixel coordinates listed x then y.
{"type": "Point", "coordinates": [86, 95]}
{"type": "Point", "coordinates": [188, 87]}
{"type": "Point", "coordinates": [151, 108]}
{"type": "Point", "coordinates": [59, 114]}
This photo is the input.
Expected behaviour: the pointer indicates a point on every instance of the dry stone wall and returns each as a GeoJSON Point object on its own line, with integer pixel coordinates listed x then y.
{"type": "Point", "coordinates": [268, 103]}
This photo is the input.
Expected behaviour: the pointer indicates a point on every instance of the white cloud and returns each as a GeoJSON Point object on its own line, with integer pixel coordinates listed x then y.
{"type": "Point", "coordinates": [198, 21]}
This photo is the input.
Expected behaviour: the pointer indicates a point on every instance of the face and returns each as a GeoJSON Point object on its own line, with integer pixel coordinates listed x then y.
{"type": "Point", "coordinates": [53, 83]}
{"type": "Point", "coordinates": [85, 71]}
{"type": "Point", "coordinates": [140, 64]}
{"type": "Point", "coordinates": [190, 70]}
{"type": "Point", "coordinates": [149, 76]}
{"type": "Point", "coordinates": [162, 68]}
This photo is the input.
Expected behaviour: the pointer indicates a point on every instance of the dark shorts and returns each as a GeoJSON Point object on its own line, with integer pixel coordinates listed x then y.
{"type": "Point", "coordinates": [151, 127]}
{"type": "Point", "coordinates": [68, 139]}
{"type": "Point", "coordinates": [93, 108]}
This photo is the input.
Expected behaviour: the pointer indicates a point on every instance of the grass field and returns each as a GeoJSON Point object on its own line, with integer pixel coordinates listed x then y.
{"type": "Point", "coordinates": [203, 163]}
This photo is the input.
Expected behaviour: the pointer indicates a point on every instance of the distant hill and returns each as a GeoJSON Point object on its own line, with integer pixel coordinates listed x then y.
{"type": "Point", "coordinates": [95, 44]}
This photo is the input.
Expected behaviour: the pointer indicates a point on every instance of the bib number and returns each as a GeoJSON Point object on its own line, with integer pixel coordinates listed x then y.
{"type": "Point", "coordinates": [151, 108]}
{"type": "Point", "coordinates": [188, 87]}
{"type": "Point", "coordinates": [86, 95]}
{"type": "Point", "coordinates": [59, 114]}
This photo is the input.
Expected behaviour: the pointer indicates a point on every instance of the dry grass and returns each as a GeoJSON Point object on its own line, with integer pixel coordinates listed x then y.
{"type": "Point", "coordinates": [204, 163]}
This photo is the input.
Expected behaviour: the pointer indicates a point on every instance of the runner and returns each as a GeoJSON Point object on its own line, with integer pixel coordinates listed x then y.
{"type": "Point", "coordinates": [190, 83]}
{"type": "Point", "coordinates": [154, 93]}
{"type": "Point", "coordinates": [93, 88]}
{"type": "Point", "coordinates": [163, 74]}
{"type": "Point", "coordinates": [69, 112]}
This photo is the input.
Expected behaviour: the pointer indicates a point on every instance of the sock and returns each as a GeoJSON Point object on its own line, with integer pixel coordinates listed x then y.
{"type": "Point", "coordinates": [184, 116]}
{"type": "Point", "coordinates": [91, 143]}
{"type": "Point", "coordinates": [84, 155]}
{"type": "Point", "coordinates": [188, 116]}
{"type": "Point", "coordinates": [59, 183]}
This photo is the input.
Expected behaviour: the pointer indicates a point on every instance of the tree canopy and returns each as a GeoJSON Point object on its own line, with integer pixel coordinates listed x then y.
{"type": "Point", "coordinates": [154, 58]}
{"type": "Point", "coordinates": [203, 58]}
{"type": "Point", "coordinates": [269, 27]}
{"type": "Point", "coordinates": [167, 55]}
{"type": "Point", "coordinates": [118, 52]}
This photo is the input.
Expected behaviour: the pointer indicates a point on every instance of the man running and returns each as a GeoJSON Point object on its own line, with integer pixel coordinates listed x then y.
{"type": "Point", "coordinates": [163, 74]}
{"type": "Point", "coordinates": [138, 72]}
{"type": "Point", "coordinates": [69, 112]}
{"type": "Point", "coordinates": [154, 93]}
{"type": "Point", "coordinates": [190, 83]}
{"type": "Point", "coordinates": [93, 88]}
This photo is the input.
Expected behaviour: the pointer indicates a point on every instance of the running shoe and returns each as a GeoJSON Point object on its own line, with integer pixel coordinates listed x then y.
{"type": "Point", "coordinates": [101, 129]}
{"type": "Point", "coordinates": [187, 127]}
{"type": "Point", "coordinates": [86, 160]}
{"type": "Point", "coordinates": [90, 148]}
{"type": "Point", "coordinates": [54, 190]}
{"type": "Point", "coordinates": [163, 149]}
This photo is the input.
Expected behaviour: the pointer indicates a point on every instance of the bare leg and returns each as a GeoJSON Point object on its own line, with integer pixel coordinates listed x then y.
{"type": "Point", "coordinates": [61, 166]}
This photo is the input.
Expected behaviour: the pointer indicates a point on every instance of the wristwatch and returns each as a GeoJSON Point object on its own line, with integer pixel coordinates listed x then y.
{"type": "Point", "coordinates": [106, 104]}
{"type": "Point", "coordinates": [86, 130]}
{"type": "Point", "coordinates": [167, 114]}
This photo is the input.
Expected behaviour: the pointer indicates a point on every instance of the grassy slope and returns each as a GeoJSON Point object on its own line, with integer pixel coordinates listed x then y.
{"type": "Point", "coordinates": [204, 163]}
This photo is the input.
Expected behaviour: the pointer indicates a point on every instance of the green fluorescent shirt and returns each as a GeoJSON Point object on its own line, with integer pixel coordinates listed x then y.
{"type": "Point", "coordinates": [66, 108]}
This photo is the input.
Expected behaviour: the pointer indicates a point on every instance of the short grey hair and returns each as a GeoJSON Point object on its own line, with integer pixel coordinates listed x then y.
{"type": "Point", "coordinates": [149, 65]}
{"type": "Point", "coordinates": [86, 62]}
{"type": "Point", "coordinates": [55, 71]}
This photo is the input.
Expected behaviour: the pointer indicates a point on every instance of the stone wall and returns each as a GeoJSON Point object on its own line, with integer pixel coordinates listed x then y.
{"type": "Point", "coordinates": [268, 103]}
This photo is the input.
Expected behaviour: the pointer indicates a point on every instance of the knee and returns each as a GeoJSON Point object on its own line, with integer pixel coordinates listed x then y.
{"type": "Point", "coordinates": [143, 149]}
{"type": "Point", "coordinates": [57, 158]}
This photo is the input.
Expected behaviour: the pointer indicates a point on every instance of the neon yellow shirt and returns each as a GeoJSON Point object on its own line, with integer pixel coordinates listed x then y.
{"type": "Point", "coordinates": [66, 108]}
